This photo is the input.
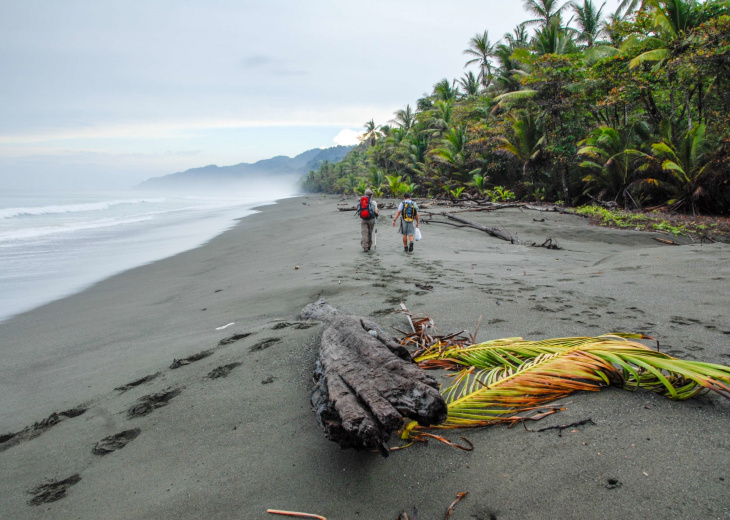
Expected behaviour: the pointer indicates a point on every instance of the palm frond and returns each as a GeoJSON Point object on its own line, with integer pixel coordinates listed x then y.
{"type": "Point", "coordinates": [507, 377]}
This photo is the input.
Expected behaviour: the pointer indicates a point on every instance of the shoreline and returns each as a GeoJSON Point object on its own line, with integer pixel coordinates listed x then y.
{"type": "Point", "coordinates": [233, 446]}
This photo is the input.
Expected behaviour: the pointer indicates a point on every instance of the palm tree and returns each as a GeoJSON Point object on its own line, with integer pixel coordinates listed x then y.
{"type": "Point", "coordinates": [672, 19]}
{"type": "Point", "coordinates": [526, 141]}
{"type": "Point", "coordinates": [445, 91]}
{"type": "Point", "coordinates": [628, 7]}
{"type": "Point", "coordinates": [543, 10]}
{"type": "Point", "coordinates": [518, 37]}
{"type": "Point", "coordinates": [371, 132]}
{"type": "Point", "coordinates": [469, 84]}
{"type": "Point", "coordinates": [441, 117]}
{"type": "Point", "coordinates": [684, 163]}
{"type": "Point", "coordinates": [589, 20]}
{"type": "Point", "coordinates": [452, 152]}
{"type": "Point", "coordinates": [611, 155]}
{"type": "Point", "coordinates": [481, 50]}
{"type": "Point", "coordinates": [553, 38]}
{"type": "Point", "coordinates": [405, 118]}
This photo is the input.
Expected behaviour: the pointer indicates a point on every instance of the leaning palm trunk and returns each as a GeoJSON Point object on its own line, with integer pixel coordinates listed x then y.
{"type": "Point", "coordinates": [504, 378]}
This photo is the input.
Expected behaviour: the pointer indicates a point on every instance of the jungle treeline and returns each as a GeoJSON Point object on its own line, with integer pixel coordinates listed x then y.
{"type": "Point", "coordinates": [575, 104]}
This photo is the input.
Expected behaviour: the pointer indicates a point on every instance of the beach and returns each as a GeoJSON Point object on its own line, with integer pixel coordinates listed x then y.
{"type": "Point", "coordinates": [230, 433]}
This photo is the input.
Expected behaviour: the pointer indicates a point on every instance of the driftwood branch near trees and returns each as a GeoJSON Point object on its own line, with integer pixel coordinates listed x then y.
{"type": "Point", "coordinates": [502, 234]}
{"type": "Point", "coordinates": [366, 383]}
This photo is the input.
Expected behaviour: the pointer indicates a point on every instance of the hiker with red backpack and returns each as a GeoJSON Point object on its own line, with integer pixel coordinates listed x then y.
{"type": "Point", "coordinates": [368, 213]}
{"type": "Point", "coordinates": [408, 211]}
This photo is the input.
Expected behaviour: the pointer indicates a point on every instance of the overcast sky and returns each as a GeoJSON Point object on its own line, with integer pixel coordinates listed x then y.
{"type": "Point", "coordinates": [101, 93]}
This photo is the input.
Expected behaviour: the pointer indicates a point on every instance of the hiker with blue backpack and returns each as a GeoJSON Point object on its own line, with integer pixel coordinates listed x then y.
{"type": "Point", "coordinates": [368, 213]}
{"type": "Point", "coordinates": [408, 211]}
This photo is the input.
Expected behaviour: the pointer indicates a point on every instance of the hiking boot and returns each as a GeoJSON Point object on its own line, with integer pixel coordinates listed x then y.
{"type": "Point", "coordinates": [410, 247]}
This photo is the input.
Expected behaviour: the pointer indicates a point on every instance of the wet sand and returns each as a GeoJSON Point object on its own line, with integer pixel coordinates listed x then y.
{"type": "Point", "coordinates": [229, 432]}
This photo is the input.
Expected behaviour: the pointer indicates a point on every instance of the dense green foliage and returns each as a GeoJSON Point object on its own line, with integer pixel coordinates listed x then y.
{"type": "Point", "coordinates": [633, 107]}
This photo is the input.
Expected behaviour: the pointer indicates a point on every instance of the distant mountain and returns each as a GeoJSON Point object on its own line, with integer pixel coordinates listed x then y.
{"type": "Point", "coordinates": [279, 169]}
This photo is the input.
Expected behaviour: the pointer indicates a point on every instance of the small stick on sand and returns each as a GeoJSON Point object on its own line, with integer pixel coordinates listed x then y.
{"type": "Point", "coordinates": [294, 513]}
{"type": "Point", "coordinates": [459, 496]}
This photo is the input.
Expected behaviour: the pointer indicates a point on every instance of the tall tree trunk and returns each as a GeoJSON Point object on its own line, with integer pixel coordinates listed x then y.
{"type": "Point", "coordinates": [689, 110]}
{"type": "Point", "coordinates": [700, 100]}
{"type": "Point", "coordinates": [566, 184]}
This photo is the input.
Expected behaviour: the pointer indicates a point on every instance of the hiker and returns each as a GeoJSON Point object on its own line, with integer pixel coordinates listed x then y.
{"type": "Point", "coordinates": [408, 211]}
{"type": "Point", "coordinates": [368, 213]}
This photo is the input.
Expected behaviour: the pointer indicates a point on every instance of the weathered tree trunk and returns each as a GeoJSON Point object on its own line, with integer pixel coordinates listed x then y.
{"type": "Point", "coordinates": [366, 383]}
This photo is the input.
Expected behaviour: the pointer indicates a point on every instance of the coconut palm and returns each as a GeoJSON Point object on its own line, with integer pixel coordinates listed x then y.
{"type": "Point", "coordinates": [469, 84]}
{"type": "Point", "coordinates": [553, 38]}
{"type": "Point", "coordinates": [672, 19]}
{"type": "Point", "coordinates": [526, 141]}
{"type": "Point", "coordinates": [611, 156]}
{"type": "Point", "coordinates": [453, 153]}
{"type": "Point", "coordinates": [441, 117]}
{"type": "Point", "coordinates": [371, 132]}
{"type": "Point", "coordinates": [481, 49]}
{"type": "Point", "coordinates": [405, 118]}
{"type": "Point", "coordinates": [543, 10]}
{"type": "Point", "coordinates": [589, 20]}
{"type": "Point", "coordinates": [685, 165]}
{"type": "Point", "coordinates": [445, 91]}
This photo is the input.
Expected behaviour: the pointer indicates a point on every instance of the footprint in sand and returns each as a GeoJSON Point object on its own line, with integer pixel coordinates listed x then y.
{"type": "Point", "coordinates": [222, 371]}
{"type": "Point", "coordinates": [148, 403]}
{"type": "Point", "coordinates": [52, 491]}
{"type": "Point", "coordinates": [140, 381]}
{"type": "Point", "coordinates": [177, 363]}
{"type": "Point", "coordinates": [264, 344]}
{"type": "Point", "coordinates": [115, 442]}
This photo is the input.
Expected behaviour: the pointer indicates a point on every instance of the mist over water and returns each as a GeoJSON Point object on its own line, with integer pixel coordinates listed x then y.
{"type": "Point", "coordinates": [53, 244]}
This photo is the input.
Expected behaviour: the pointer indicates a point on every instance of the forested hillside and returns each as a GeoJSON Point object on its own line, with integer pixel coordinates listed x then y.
{"type": "Point", "coordinates": [574, 104]}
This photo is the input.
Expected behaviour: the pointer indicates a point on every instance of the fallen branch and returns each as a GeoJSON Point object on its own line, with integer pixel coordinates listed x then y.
{"type": "Point", "coordinates": [563, 427]}
{"type": "Point", "coordinates": [501, 234]}
{"type": "Point", "coordinates": [459, 496]}
{"type": "Point", "coordinates": [294, 513]}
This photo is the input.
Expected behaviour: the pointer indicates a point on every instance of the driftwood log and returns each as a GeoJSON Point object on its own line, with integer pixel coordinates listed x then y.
{"type": "Point", "coordinates": [366, 383]}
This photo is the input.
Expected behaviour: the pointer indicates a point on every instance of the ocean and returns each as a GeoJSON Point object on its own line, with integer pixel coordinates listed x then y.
{"type": "Point", "coordinates": [55, 244]}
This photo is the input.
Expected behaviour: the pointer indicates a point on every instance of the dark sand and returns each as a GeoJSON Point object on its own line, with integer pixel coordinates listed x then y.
{"type": "Point", "coordinates": [244, 439]}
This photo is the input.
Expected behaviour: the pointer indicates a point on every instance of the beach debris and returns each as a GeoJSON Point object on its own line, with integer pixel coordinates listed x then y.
{"type": "Point", "coordinates": [459, 497]}
{"type": "Point", "coordinates": [177, 363]}
{"type": "Point", "coordinates": [115, 442]}
{"type": "Point", "coordinates": [222, 371]}
{"type": "Point", "coordinates": [268, 380]}
{"type": "Point", "coordinates": [508, 380]}
{"type": "Point", "coordinates": [137, 382]}
{"type": "Point", "coordinates": [562, 427]}
{"type": "Point", "coordinates": [225, 326]}
{"type": "Point", "coordinates": [53, 490]}
{"type": "Point", "coordinates": [296, 267]}
{"type": "Point", "coordinates": [425, 287]}
{"type": "Point", "coordinates": [234, 338]}
{"type": "Point", "coordinates": [294, 513]}
{"type": "Point", "coordinates": [148, 403]}
{"type": "Point", "coordinates": [404, 515]}
{"type": "Point", "coordinates": [664, 241]}
{"type": "Point", "coordinates": [264, 344]}
{"type": "Point", "coordinates": [613, 483]}
{"type": "Point", "coordinates": [365, 385]}
{"type": "Point", "coordinates": [501, 234]}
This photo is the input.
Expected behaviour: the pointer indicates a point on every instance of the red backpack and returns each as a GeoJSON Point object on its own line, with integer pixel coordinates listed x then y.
{"type": "Point", "coordinates": [365, 210]}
